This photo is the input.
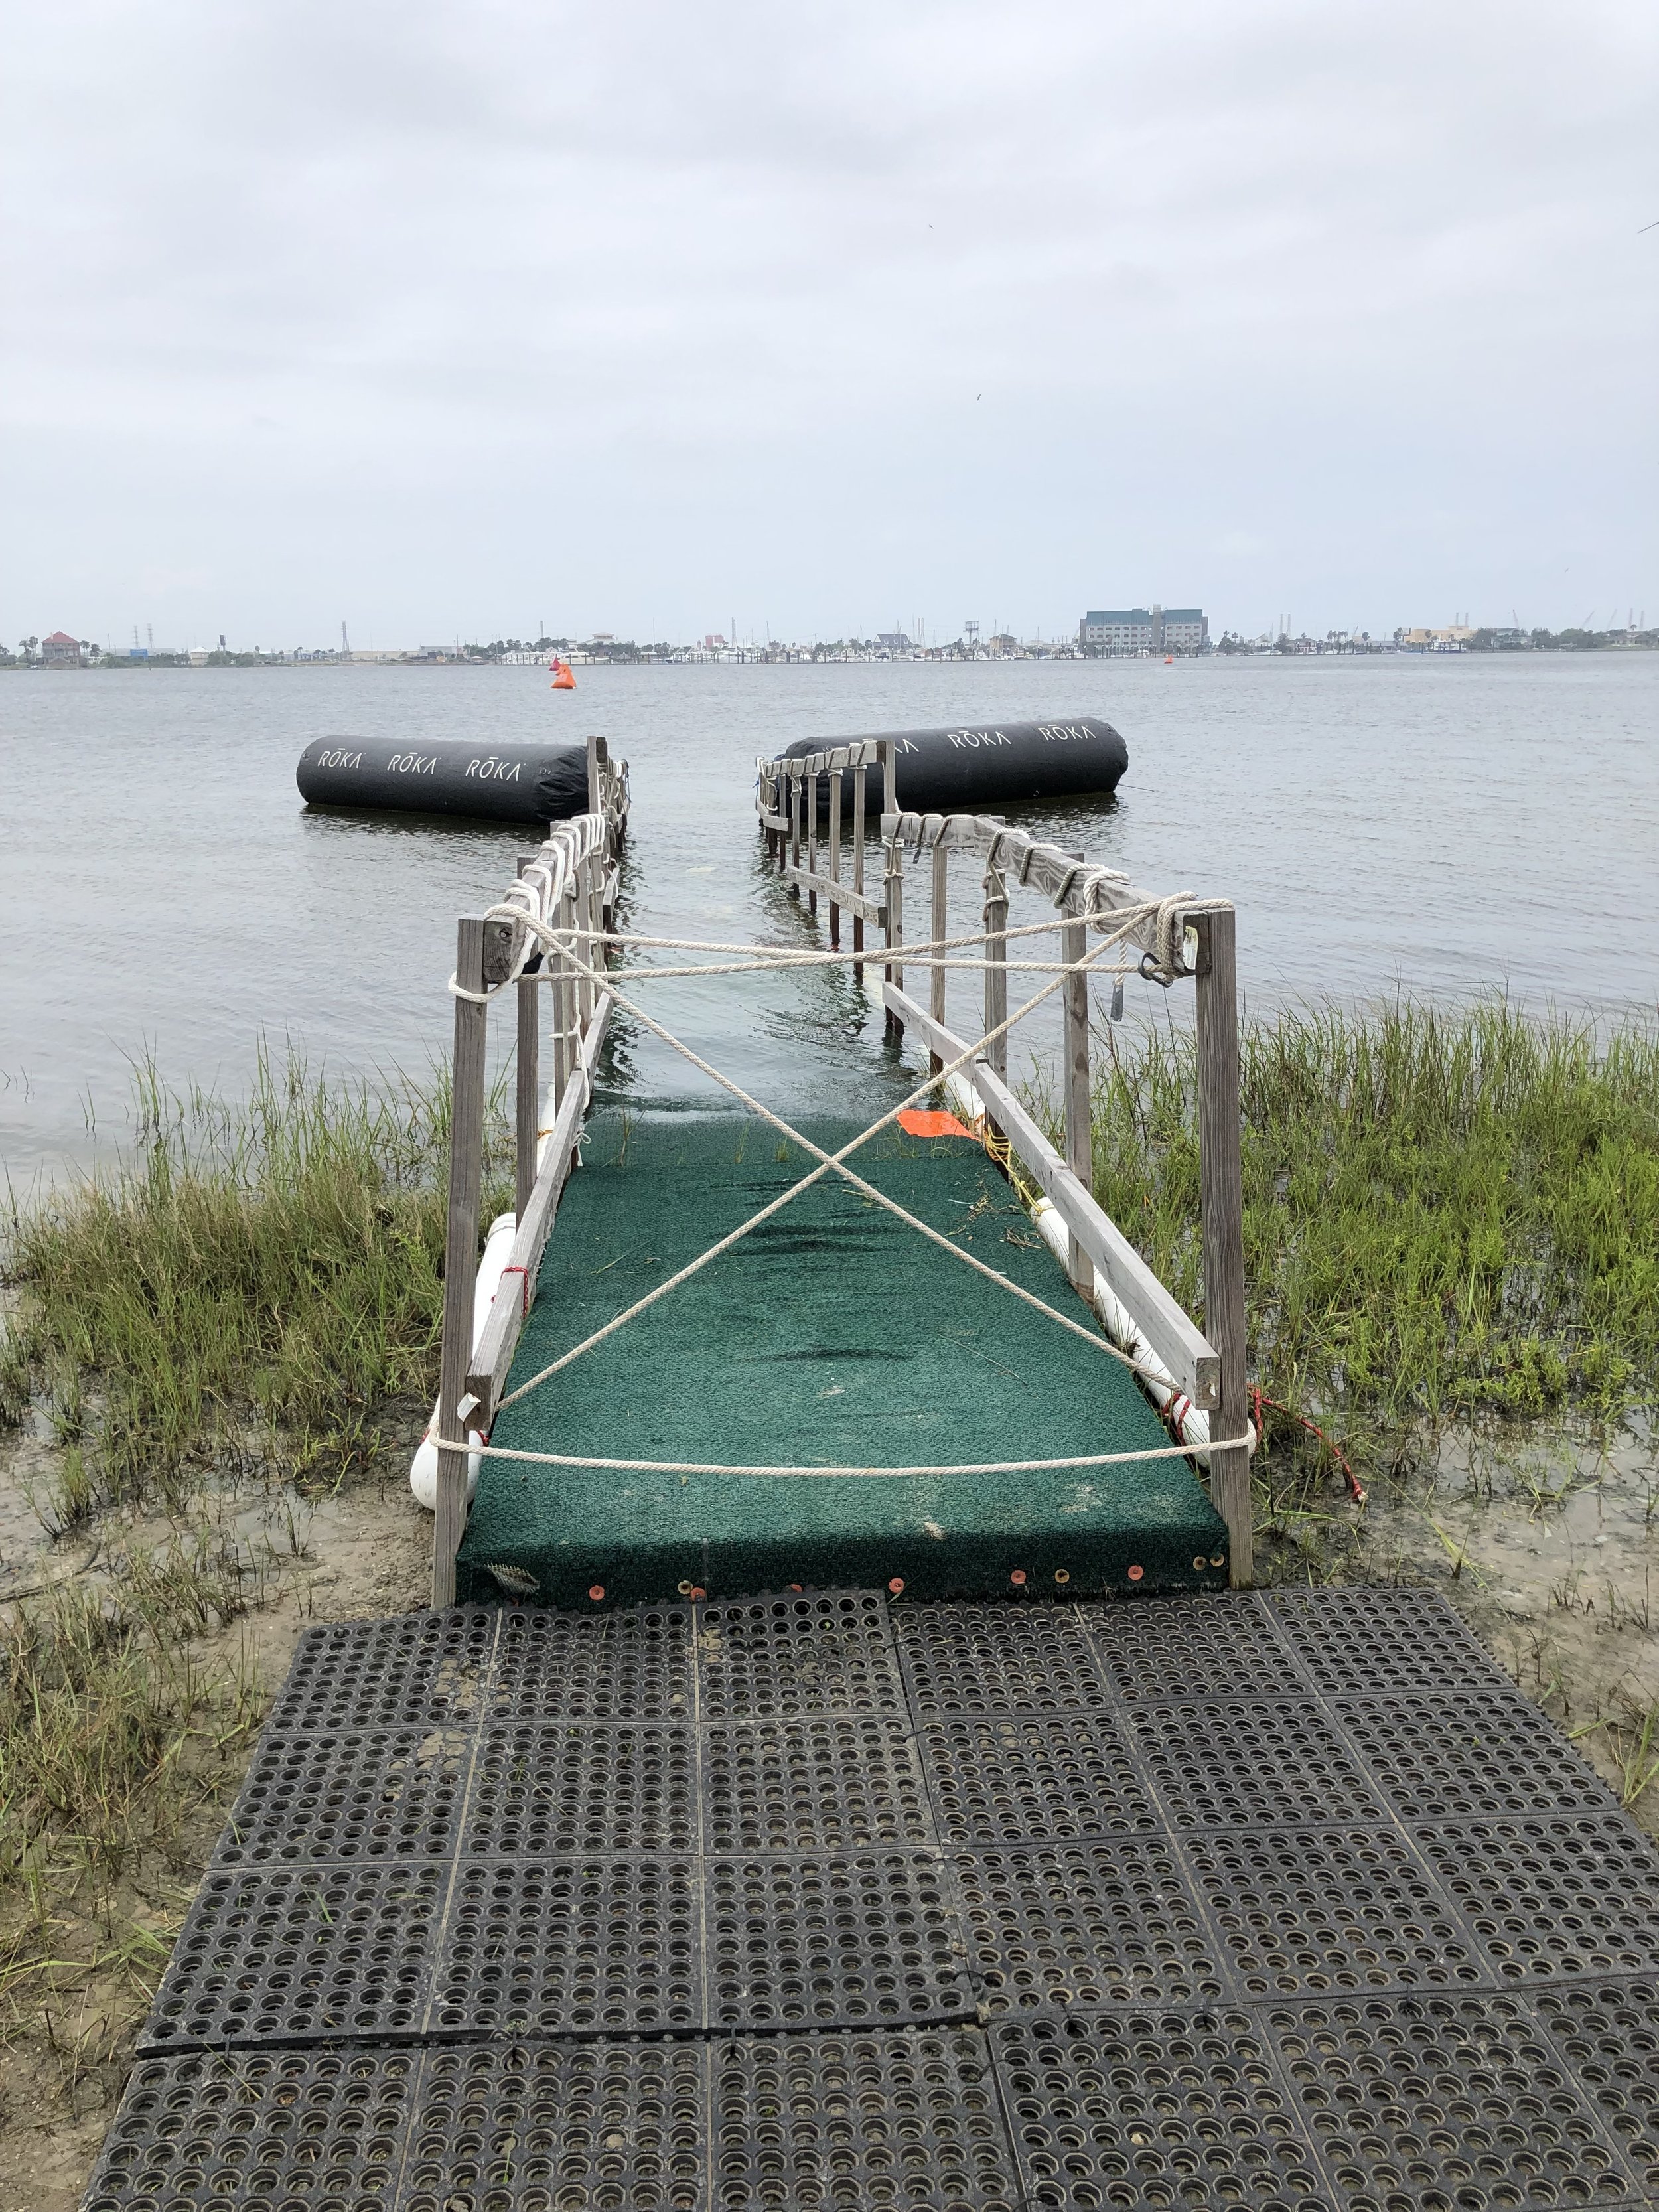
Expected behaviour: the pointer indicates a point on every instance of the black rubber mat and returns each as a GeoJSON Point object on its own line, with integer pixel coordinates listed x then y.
{"type": "Point", "coordinates": [820, 1901]}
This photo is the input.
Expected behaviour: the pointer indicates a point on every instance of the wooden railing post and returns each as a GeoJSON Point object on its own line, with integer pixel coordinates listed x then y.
{"type": "Point", "coordinates": [894, 887]}
{"type": "Point", "coordinates": [1221, 1184]}
{"type": "Point", "coordinates": [795, 781]}
{"type": "Point", "coordinates": [598, 753]}
{"type": "Point", "coordinates": [564, 1005]}
{"type": "Point", "coordinates": [834, 857]}
{"type": "Point", "coordinates": [812, 803]}
{"type": "Point", "coordinates": [1074, 1065]}
{"type": "Point", "coordinates": [996, 972]}
{"type": "Point", "coordinates": [940, 927]}
{"type": "Point", "coordinates": [466, 1114]}
{"type": "Point", "coordinates": [858, 774]}
{"type": "Point", "coordinates": [526, 1070]}
{"type": "Point", "coordinates": [584, 951]}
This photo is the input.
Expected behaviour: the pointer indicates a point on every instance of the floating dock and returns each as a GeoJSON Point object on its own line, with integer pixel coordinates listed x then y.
{"type": "Point", "coordinates": [894, 1797]}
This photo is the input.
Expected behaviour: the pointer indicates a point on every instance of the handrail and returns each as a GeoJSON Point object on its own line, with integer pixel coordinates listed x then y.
{"type": "Point", "coordinates": [1181, 938]}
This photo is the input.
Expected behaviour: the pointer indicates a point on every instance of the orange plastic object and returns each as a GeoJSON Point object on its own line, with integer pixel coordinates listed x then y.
{"type": "Point", "coordinates": [564, 676]}
{"type": "Point", "coordinates": [917, 1123]}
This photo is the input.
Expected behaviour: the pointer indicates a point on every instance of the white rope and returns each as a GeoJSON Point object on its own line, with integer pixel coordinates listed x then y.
{"type": "Point", "coordinates": [842, 1474]}
{"type": "Point", "coordinates": [836, 1161]}
{"type": "Point", "coordinates": [771, 959]}
{"type": "Point", "coordinates": [879, 958]}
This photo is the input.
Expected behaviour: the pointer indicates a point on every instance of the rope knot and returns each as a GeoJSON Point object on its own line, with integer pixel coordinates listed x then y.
{"type": "Point", "coordinates": [1166, 963]}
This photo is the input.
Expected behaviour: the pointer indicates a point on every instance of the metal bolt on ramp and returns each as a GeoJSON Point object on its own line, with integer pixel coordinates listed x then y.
{"type": "Point", "coordinates": [814, 1901]}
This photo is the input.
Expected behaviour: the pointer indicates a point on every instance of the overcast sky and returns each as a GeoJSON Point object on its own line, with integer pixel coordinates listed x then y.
{"type": "Point", "coordinates": [640, 317]}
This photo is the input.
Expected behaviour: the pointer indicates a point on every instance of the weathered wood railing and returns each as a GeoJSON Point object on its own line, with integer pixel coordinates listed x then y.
{"type": "Point", "coordinates": [571, 884]}
{"type": "Point", "coordinates": [1206, 1366]}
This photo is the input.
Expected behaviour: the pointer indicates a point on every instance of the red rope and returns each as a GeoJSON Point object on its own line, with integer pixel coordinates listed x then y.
{"type": "Point", "coordinates": [1313, 1428]}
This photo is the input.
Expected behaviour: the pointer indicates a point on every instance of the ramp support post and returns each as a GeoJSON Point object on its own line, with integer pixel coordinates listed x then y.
{"type": "Point", "coordinates": [1074, 1065]}
{"type": "Point", "coordinates": [526, 1071]}
{"type": "Point", "coordinates": [834, 857]}
{"type": "Point", "coordinates": [466, 1116]}
{"type": "Point", "coordinates": [857, 868]}
{"type": "Point", "coordinates": [894, 971]}
{"type": "Point", "coordinates": [940, 926]}
{"type": "Point", "coordinates": [1222, 1200]}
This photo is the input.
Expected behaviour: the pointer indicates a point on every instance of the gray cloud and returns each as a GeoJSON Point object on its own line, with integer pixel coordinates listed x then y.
{"type": "Point", "coordinates": [441, 317]}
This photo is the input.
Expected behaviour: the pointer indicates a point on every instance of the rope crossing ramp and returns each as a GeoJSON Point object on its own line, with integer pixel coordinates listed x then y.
{"type": "Point", "coordinates": [819, 1900]}
{"type": "Point", "coordinates": [759, 1350]}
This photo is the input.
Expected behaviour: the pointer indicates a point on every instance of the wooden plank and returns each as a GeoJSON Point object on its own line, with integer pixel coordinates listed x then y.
{"type": "Point", "coordinates": [1221, 1199]}
{"type": "Point", "coordinates": [466, 1118]}
{"type": "Point", "coordinates": [869, 910]}
{"type": "Point", "coordinates": [1074, 1062]}
{"type": "Point", "coordinates": [597, 752]}
{"type": "Point", "coordinates": [1192, 1360]}
{"type": "Point", "coordinates": [498, 1338]}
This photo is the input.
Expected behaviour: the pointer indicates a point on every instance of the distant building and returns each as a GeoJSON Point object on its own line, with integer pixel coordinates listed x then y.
{"type": "Point", "coordinates": [894, 641]}
{"type": "Point", "coordinates": [60, 651]}
{"type": "Point", "coordinates": [1145, 630]}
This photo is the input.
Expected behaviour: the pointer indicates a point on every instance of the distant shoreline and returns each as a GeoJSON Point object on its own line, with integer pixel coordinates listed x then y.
{"type": "Point", "coordinates": [804, 658]}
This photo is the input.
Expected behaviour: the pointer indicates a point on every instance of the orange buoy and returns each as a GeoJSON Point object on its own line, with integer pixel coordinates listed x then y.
{"type": "Point", "coordinates": [1168, 660]}
{"type": "Point", "coordinates": [564, 677]}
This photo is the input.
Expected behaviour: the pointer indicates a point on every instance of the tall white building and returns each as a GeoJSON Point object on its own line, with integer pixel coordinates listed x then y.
{"type": "Point", "coordinates": [1145, 630]}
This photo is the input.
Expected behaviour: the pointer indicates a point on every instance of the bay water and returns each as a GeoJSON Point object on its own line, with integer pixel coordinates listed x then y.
{"type": "Point", "coordinates": [1448, 825]}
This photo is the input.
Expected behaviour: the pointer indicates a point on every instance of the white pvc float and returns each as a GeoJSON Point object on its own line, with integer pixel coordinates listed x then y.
{"type": "Point", "coordinates": [423, 1475]}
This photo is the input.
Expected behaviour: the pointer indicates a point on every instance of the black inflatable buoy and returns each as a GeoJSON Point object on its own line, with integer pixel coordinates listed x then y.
{"type": "Point", "coordinates": [503, 783]}
{"type": "Point", "coordinates": [974, 764]}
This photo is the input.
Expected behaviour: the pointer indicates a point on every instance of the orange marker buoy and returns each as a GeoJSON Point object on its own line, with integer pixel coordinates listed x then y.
{"type": "Point", "coordinates": [564, 677]}
{"type": "Point", "coordinates": [1168, 660]}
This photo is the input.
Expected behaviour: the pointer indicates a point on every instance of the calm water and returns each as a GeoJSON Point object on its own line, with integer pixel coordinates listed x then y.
{"type": "Point", "coordinates": [1453, 824]}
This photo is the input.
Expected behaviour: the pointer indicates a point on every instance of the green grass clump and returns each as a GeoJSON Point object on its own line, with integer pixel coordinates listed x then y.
{"type": "Point", "coordinates": [1449, 1213]}
{"type": "Point", "coordinates": [114, 1731]}
{"type": "Point", "coordinates": [253, 1283]}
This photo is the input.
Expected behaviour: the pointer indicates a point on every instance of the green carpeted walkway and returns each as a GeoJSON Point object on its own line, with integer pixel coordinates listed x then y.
{"type": "Point", "coordinates": [834, 1335]}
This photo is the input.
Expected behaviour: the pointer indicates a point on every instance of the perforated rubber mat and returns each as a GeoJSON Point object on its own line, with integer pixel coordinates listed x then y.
{"type": "Point", "coordinates": [1278, 1904]}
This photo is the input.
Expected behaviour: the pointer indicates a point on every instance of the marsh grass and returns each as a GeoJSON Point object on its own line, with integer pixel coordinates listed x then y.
{"type": "Point", "coordinates": [255, 1282]}
{"type": "Point", "coordinates": [114, 1729]}
{"type": "Point", "coordinates": [1450, 1213]}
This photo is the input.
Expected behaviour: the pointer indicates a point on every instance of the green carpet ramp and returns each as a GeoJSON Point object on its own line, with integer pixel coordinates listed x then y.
{"type": "Point", "coordinates": [833, 1336]}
